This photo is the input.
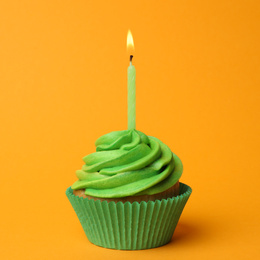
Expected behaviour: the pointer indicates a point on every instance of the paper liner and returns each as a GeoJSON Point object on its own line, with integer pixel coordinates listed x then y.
{"type": "Point", "coordinates": [129, 226]}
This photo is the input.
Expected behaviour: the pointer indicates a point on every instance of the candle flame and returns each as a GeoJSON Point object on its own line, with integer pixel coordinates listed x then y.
{"type": "Point", "coordinates": [130, 43]}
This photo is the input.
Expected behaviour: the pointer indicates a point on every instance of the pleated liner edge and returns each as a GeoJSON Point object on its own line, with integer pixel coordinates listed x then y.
{"type": "Point", "coordinates": [129, 226]}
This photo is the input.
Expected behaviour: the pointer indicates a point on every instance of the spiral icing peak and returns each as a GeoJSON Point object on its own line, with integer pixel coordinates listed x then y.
{"type": "Point", "coordinates": [128, 163]}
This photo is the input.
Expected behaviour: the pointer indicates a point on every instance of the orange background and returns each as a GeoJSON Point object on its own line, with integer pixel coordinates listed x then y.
{"type": "Point", "coordinates": [63, 84]}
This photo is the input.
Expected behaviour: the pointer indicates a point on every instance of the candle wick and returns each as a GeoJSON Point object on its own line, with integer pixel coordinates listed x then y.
{"type": "Point", "coordinates": [131, 57]}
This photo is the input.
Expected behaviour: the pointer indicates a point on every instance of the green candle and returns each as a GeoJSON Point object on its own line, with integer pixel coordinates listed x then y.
{"type": "Point", "coordinates": [131, 85]}
{"type": "Point", "coordinates": [131, 96]}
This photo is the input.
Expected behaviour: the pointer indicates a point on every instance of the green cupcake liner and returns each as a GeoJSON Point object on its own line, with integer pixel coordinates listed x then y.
{"type": "Point", "coordinates": [129, 226]}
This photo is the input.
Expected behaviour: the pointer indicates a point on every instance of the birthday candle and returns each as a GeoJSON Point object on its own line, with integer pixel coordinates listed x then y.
{"type": "Point", "coordinates": [131, 74]}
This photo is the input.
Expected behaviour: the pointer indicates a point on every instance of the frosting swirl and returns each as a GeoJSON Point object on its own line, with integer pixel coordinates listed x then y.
{"type": "Point", "coordinates": [128, 163]}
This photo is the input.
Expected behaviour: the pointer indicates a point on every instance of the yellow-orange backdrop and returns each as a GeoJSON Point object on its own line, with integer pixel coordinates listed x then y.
{"type": "Point", "coordinates": [63, 84]}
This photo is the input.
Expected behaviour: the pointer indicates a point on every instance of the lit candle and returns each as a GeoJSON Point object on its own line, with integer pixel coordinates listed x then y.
{"type": "Point", "coordinates": [131, 83]}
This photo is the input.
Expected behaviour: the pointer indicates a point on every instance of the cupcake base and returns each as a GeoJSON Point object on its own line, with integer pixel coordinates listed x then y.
{"type": "Point", "coordinates": [129, 226]}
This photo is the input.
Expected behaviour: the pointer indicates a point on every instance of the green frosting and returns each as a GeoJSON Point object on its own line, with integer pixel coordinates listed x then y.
{"type": "Point", "coordinates": [128, 163]}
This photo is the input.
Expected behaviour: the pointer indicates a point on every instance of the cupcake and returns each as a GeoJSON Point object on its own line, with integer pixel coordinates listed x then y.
{"type": "Point", "coordinates": [128, 195]}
